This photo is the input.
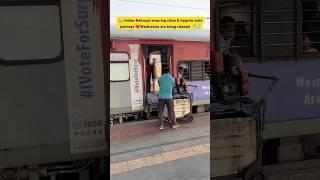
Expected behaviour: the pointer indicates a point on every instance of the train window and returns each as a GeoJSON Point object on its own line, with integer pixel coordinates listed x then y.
{"type": "Point", "coordinates": [30, 32]}
{"type": "Point", "coordinates": [283, 29]}
{"type": "Point", "coordinates": [237, 28]}
{"type": "Point", "coordinates": [279, 23]}
{"type": "Point", "coordinates": [207, 69]}
{"type": "Point", "coordinates": [311, 26]}
{"type": "Point", "coordinates": [195, 70]}
{"type": "Point", "coordinates": [119, 71]}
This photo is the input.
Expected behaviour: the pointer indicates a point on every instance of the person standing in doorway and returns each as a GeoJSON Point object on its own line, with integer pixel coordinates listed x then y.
{"type": "Point", "coordinates": [154, 74]}
{"type": "Point", "coordinates": [181, 80]}
{"type": "Point", "coordinates": [148, 74]}
{"type": "Point", "coordinates": [166, 83]}
{"type": "Point", "coordinates": [227, 33]}
{"type": "Point", "coordinates": [180, 72]}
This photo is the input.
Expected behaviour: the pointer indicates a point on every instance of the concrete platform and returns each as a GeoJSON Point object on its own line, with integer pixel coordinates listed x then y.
{"type": "Point", "coordinates": [140, 150]}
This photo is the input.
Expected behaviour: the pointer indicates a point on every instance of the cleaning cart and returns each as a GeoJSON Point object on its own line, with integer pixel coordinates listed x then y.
{"type": "Point", "coordinates": [236, 136]}
{"type": "Point", "coordinates": [182, 101]}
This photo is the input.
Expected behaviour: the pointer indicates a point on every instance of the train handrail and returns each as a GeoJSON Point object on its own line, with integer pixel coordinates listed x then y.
{"type": "Point", "coordinates": [195, 87]}
{"type": "Point", "coordinates": [268, 91]}
{"type": "Point", "coordinates": [262, 101]}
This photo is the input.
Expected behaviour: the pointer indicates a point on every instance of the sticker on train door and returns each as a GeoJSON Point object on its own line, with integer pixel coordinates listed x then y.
{"type": "Point", "coordinates": [135, 78]}
{"type": "Point", "coordinates": [84, 77]}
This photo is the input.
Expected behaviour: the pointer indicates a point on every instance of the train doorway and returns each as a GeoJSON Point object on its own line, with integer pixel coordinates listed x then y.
{"type": "Point", "coordinates": [154, 56]}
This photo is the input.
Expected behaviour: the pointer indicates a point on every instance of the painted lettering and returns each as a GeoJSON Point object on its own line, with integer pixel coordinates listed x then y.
{"type": "Point", "coordinates": [83, 47]}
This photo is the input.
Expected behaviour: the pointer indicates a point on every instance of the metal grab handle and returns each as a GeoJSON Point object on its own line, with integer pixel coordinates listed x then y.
{"type": "Point", "coordinates": [267, 92]}
{"type": "Point", "coordinates": [263, 77]}
{"type": "Point", "coordinates": [261, 103]}
{"type": "Point", "coordinates": [195, 87]}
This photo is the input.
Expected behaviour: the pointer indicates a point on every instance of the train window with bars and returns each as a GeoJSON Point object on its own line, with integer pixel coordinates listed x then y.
{"type": "Point", "coordinates": [279, 26]}
{"type": "Point", "coordinates": [290, 28]}
{"type": "Point", "coordinates": [286, 29]}
{"type": "Point", "coordinates": [195, 70]}
{"type": "Point", "coordinates": [310, 26]}
{"type": "Point", "coordinates": [207, 69]}
{"type": "Point", "coordinates": [237, 27]}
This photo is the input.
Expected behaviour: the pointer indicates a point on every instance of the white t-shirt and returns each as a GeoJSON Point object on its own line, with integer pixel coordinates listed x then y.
{"type": "Point", "coordinates": [224, 44]}
{"type": "Point", "coordinates": [180, 75]}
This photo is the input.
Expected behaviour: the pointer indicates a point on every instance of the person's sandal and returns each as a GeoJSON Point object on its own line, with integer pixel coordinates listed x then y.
{"type": "Point", "coordinates": [175, 126]}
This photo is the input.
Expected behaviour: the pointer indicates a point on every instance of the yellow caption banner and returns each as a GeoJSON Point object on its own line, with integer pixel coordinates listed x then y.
{"type": "Point", "coordinates": [160, 23]}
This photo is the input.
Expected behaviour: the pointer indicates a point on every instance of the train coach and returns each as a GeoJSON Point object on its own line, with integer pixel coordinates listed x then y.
{"type": "Point", "coordinates": [133, 51]}
{"type": "Point", "coordinates": [53, 107]}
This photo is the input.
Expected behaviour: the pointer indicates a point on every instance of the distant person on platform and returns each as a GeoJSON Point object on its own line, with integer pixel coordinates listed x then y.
{"type": "Point", "coordinates": [166, 83]}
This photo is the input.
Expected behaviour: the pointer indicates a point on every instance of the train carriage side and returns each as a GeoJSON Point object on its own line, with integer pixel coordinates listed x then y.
{"type": "Point", "coordinates": [52, 94]}
{"type": "Point", "coordinates": [120, 86]}
{"type": "Point", "coordinates": [193, 55]}
{"type": "Point", "coordinates": [132, 98]}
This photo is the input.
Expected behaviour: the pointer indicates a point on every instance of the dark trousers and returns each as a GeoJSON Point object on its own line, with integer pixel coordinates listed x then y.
{"type": "Point", "coordinates": [148, 84]}
{"type": "Point", "coordinates": [171, 113]}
